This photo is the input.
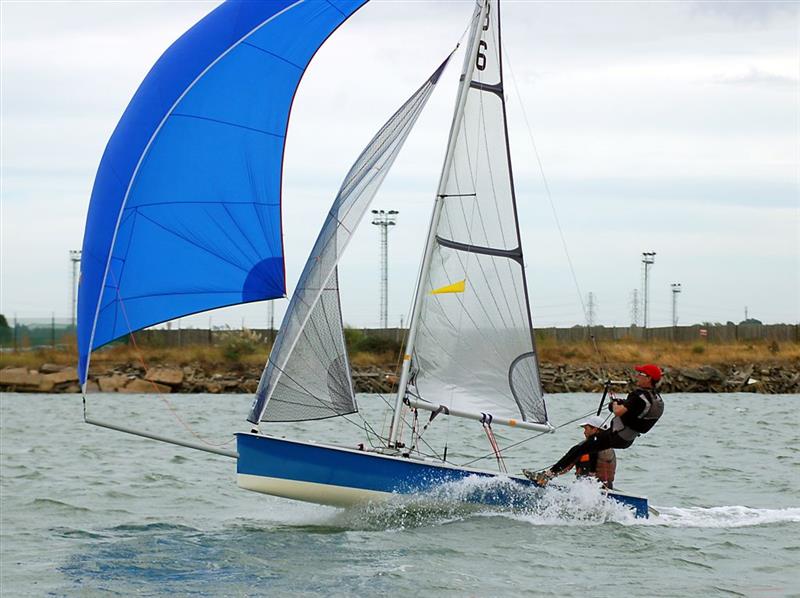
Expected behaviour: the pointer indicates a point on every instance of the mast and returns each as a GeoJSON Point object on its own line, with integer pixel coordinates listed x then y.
{"type": "Point", "coordinates": [461, 100]}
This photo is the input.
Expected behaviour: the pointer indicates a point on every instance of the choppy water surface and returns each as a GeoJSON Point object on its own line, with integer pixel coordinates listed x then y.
{"type": "Point", "coordinates": [93, 512]}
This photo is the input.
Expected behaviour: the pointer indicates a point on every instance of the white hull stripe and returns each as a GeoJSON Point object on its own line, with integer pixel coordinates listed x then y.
{"type": "Point", "coordinates": [325, 494]}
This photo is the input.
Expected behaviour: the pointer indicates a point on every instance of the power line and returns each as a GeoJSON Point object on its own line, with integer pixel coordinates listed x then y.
{"type": "Point", "coordinates": [634, 303]}
{"type": "Point", "coordinates": [591, 314]}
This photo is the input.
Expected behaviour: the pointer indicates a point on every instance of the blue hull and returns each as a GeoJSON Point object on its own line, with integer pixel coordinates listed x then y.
{"type": "Point", "coordinates": [344, 477]}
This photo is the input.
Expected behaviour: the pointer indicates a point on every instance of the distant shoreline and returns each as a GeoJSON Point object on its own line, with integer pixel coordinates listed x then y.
{"type": "Point", "coordinates": [234, 361]}
{"type": "Point", "coordinates": [757, 377]}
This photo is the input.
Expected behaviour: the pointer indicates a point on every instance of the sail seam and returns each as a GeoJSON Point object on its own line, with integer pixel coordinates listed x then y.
{"type": "Point", "coordinates": [190, 242]}
{"type": "Point", "coordinates": [335, 7]}
{"type": "Point", "coordinates": [177, 294]}
{"type": "Point", "coordinates": [228, 123]}
{"type": "Point", "coordinates": [267, 204]}
{"type": "Point", "coordinates": [268, 53]}
{"type": "Point", "coordinates": [241, 232]}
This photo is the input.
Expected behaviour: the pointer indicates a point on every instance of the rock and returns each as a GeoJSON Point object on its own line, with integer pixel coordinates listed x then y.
{"type": "Point", "coordinates": [64, 375]}
{"type": "Point", "coordinates": [250, 385]}
{"type": "Point", "coordinates": [140, 386]}
{"type": "Point", "coordinates": [18, 377]}
{"type": "Point", "coordinates": [51, 368]}
{"type": "Point", "coordinates": [92, 386]}
{"type": "Point", "coordinates": [704, 373]}
{"type": "Point", "coordinates": [45, 385]}
{"type": "Point", "coordinates": [213, 387]}
{"type": "Point", "coordinates": [162, 375]}
{"type": "Point", "coordinates": [21, 379]}
{"type": "Point", "coordinates": [112, 383]}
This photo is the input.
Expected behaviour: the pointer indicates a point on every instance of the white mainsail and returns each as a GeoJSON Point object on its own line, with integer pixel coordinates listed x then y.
{"type": "Point", "coordinates": [471, 346]}
{"type": "Point", "coordinates": [307, 375]}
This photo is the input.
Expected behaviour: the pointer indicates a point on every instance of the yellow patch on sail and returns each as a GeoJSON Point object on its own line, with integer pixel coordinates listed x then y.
{"type": "Point", "coordinates": [456, 287]}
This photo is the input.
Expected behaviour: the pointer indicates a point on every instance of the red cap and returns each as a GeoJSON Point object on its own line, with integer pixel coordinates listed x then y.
{"type": "Point", "coordinates": [651, 370]}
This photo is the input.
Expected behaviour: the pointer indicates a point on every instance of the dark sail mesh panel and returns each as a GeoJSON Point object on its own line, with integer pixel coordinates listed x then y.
{"type": "Point", "coordinates": [523, 378]}
{"type": "Point", "coordinates": [307, 375]}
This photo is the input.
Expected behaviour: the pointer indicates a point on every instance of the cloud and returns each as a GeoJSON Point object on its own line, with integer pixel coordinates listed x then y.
{"type": "Point", "coordinates": [755, 14]}
{"type": "Point", "coordinates": [758, 77]}
{"type": "Point", "coordinates": [677, 111]}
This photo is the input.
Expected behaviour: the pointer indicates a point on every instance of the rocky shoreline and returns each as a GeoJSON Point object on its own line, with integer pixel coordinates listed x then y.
{"type": "Point", "coordinates": [51, 378]}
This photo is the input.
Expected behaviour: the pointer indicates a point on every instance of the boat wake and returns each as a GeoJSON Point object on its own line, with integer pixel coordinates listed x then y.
{"type": "Point", "coordinates": [575, 503]}
{"type": "Point", "coordinates": [566, 503]}
{"type": "Point", "coordinates": [721, 517]}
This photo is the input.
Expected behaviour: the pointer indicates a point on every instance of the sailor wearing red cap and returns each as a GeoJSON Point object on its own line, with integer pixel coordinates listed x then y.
{"type": "Point", "coordinates": [636, 415]}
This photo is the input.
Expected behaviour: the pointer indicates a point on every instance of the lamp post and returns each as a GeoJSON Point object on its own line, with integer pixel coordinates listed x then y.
{"type": "Point", "coordinates": [648, 259]}
{"type": "Point", "coordinates": [75, 258]}
{"type": "Point", "coordinates": [384, 219]}
{"type": "Point", "coordinates": [676, 288]}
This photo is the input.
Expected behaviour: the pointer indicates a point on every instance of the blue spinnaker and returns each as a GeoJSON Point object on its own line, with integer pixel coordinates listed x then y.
{"type": "Point", "coordinates": [185, 214]}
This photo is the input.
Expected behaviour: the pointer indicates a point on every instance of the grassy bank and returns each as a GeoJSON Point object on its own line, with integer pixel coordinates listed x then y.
{"type": "Point", "coordinates": [236, 354]}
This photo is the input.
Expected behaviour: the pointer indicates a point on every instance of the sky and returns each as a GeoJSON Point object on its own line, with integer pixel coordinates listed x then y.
{"type": "Point", "coordinates": [665, 127]}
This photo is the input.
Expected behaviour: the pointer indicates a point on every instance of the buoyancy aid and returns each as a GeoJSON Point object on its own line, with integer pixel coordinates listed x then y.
{"type": "Point", "coordinates": [586, 465]}
{"type": "Point", "coordinates": [653, 410]}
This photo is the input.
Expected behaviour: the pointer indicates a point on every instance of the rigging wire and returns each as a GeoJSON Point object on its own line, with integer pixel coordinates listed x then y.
{"type": "Point", "coordinates": [140, 355]}
{"type": "Point", "coordinates": [435, 455]}
{"type": "Point", "coordinates": [523, 441]}
{"type": "Point", "coordinates": [549, 195]}
{"type": "Point", "coordinates": [546, 183]}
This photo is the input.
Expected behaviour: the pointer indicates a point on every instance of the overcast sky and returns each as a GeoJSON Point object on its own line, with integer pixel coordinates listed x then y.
{"type": "Point", "coordinates": [666, 127]}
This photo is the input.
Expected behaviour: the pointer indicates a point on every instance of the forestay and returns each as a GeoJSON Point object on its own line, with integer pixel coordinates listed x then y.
{"type": "Point", "coordinates": [474, 348]}
{"type": "Point", "coordinates": [185, 214]}
{"type": "Point", "coordinates": [307, 375]}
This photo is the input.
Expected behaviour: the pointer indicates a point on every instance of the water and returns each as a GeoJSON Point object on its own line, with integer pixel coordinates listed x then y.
{"type": "Point", "coordinates": [87, 511]}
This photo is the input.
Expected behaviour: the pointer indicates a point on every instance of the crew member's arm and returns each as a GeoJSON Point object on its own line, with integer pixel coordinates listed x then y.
{"type": "Point", "coordinates": [632, 403]}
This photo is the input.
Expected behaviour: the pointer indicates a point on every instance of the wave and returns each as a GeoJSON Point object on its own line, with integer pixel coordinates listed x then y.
{"type": "Point", "coordinates": [722, 516]}
{"type": "Point", "coordinates": [51, 503]}
{"type": "Point", "coordinates": [576, 502]}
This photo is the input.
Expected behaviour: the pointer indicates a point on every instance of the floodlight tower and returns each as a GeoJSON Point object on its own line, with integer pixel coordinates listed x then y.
{"type": "Point", "coordinates": [648, 259]}
{"type": "Point", "coordinates": [676, 288]}
{"type": "Point", "coordinates": [384, 219]}
{"type": "Point", "coordinates": [75, 258]}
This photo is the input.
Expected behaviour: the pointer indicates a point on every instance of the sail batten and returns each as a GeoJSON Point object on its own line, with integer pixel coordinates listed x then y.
{"type": "Point", "coordinates": [308, 373]}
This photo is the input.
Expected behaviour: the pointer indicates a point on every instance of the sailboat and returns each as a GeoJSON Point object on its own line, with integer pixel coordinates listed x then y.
{"type": "Point", "coordinates": [470, 351]}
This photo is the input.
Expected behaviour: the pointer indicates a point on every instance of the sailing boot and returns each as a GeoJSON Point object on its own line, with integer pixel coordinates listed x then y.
{"type": "Point", "coordinates": [539, 477]}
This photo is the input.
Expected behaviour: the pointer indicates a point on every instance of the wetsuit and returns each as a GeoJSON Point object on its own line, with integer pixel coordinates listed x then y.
{"type": "Point", "coordinates": [644, 408]}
